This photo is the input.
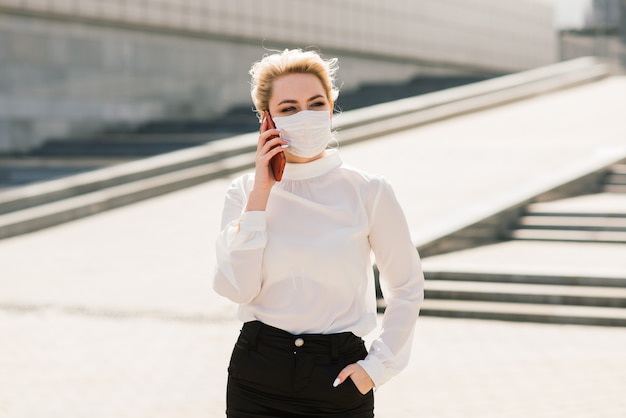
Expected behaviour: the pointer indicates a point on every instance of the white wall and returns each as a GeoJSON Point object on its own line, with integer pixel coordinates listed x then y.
{"type": "Point", "coordinates": [72, 66]}
{"type": "Point", "coordinates": [499, 34]}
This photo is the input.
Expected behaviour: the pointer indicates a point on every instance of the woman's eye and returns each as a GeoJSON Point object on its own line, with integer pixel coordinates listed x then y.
{"type": "Point", "coordinates": [318, 104]}
{"type": "Point", "coordinates": [288, 109]}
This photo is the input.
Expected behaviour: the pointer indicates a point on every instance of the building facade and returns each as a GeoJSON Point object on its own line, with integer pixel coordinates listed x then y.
{"type": "Point", "coordinates": [69, 67]}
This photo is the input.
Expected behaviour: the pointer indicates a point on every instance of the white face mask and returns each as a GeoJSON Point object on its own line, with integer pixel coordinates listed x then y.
{"type": "Point", "coordinates": [308, 131]}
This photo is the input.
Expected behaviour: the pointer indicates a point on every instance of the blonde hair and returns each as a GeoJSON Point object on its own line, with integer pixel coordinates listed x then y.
{"type": "Point", "coordinates": [290, 61]}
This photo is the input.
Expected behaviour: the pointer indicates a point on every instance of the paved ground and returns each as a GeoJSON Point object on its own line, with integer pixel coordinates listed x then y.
{"type": "Point", "coordinates": [113, 315]}
{"type": "Point", "coordinates": [569, 259]}
{"type": "Point", "coordinates": [62, 364]}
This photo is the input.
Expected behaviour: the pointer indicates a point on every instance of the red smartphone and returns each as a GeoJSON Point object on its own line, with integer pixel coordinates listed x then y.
{"type": "Point", "coordinates": [279, 160]}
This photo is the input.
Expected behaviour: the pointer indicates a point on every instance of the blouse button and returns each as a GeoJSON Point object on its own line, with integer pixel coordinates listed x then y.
{"type": "Point", "coordinates": [299, 342]}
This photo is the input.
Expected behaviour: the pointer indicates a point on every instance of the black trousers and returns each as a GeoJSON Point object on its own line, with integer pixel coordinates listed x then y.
{"type": "Point", "coordinates": [273, 373]}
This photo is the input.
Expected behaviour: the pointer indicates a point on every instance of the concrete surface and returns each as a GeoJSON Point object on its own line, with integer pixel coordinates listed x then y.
{"type": "Point", "coordinates": [566, 259]}
{"type": "Point", "coordinates": [113, 315]}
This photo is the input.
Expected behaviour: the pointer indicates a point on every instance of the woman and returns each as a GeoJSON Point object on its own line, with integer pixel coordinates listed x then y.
{"type": "Point", "coordinates": [295, 256]}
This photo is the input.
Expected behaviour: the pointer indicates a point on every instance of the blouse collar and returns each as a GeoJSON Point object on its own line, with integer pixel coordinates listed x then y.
{"type": "Point", "coordinates": [315, 168]}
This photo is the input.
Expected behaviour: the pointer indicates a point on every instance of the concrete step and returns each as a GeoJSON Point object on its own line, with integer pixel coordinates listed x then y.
{"type": "Point", "coordinates": [372, 93]}
{"type": "Point", "coordinates": [554, 282]}
{"type": "Point", "coordinates": [525, 312]}
{"type": "Point", "coordinates": [600, 205]}
{"type": "Point", "coordinates": [544, 279]}
{"type": "Point", "coordinates": [213, 155]}
{"type": "Point", "coordinates": [619, 169]}
{"type": "Point", "coordinates": [11, 176]}
{"type": "Point", "coordinates": [471, 273]}
{"type": "Point", "coordinates": [569, 235]}
{"type": "Point", "coordinates": [573, 223]}
{"type": "Point", "coordinates": [614, 188]}
{"type": "Point", "coordinates": [59, 162]}
{"type": "Point", "coordinates": [112, 148]}
{"type": "Point", "coordinates": [226, 124]}
{"type": "Point", "coordinates": [616, 179]}
{"type": "Point", "coordinates": [526, 293]}
{"type": "Point", "coordinates": [20, 172]}
{"type": "Point", "coordinates": [599, 217]}
{"type": "Point", "coordinates": [141, 137]}
{"type": "Point", "coordinates": [60, 158]}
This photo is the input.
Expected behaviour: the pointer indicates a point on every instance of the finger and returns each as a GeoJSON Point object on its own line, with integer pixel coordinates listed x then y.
{"type": "Point", "coordinates": [272, 152]}
{"type": "Point", "coordinates": [271, 143]}
{"type": "Point", "coordinates": [269, 134]}
{"type": "Point", "coordinates": [263, 139]}
{"type": "Point", "coordinates": [263, 126]}
{"type": "Point", "coordinates": [343, 375]}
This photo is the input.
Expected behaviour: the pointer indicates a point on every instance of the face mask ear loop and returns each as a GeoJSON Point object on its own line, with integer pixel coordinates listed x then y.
{"type": "Point", "coordinates": [333, 143]}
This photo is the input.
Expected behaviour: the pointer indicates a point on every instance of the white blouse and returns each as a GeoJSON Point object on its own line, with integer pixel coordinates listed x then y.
{"type": "Point", "coordinates": [304, 264]}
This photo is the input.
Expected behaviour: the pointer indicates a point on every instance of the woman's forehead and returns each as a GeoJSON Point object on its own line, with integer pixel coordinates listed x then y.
{"type": "Point", "coordinates": [292, 86]}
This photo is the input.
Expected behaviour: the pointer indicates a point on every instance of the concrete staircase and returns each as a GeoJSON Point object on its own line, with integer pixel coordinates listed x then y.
{"type": "Point", "coordinates": [565, 234]}
{"type": "Point", "coordinates": [616, 179]}
{"type": "Point", "coordinates": [592, 218]}
{"type": "Point", "coordinates": [526, 298]}
{"type": "Point", "coordinates": [61, 157]}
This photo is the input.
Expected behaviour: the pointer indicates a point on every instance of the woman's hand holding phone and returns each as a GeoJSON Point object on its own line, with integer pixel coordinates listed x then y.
{"type": "Point", "coordinates": [269, 146]}
{"type": "Point", "coordinates": [270, 159]}
{"type": "Point", "coordinates": [278, 161]}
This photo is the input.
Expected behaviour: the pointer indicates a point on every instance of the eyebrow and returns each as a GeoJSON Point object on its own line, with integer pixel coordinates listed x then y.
{"type": "Point", "coordinates": [317, 96]}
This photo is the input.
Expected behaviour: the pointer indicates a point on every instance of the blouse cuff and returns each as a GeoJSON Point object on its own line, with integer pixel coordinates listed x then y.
{"type": "Point", "coordinates": [252, 221]}
{"type": "Point", "coordinates": [374, 368]}
{"type": "Point", "coordinates": [379, 363]}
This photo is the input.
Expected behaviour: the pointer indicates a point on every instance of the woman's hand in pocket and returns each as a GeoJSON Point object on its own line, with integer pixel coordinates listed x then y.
{"type": "Point", "coordinates": [359, 377]}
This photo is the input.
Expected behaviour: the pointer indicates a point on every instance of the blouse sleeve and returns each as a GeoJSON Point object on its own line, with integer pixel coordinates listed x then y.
{"type": "Point", "coordinates": [402, 283]}
{"type": "Point", "coordinates": [239, 248]}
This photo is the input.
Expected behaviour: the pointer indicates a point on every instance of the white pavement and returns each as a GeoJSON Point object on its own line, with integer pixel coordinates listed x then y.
{"type": "Point", "coordinates": [113, 315]}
